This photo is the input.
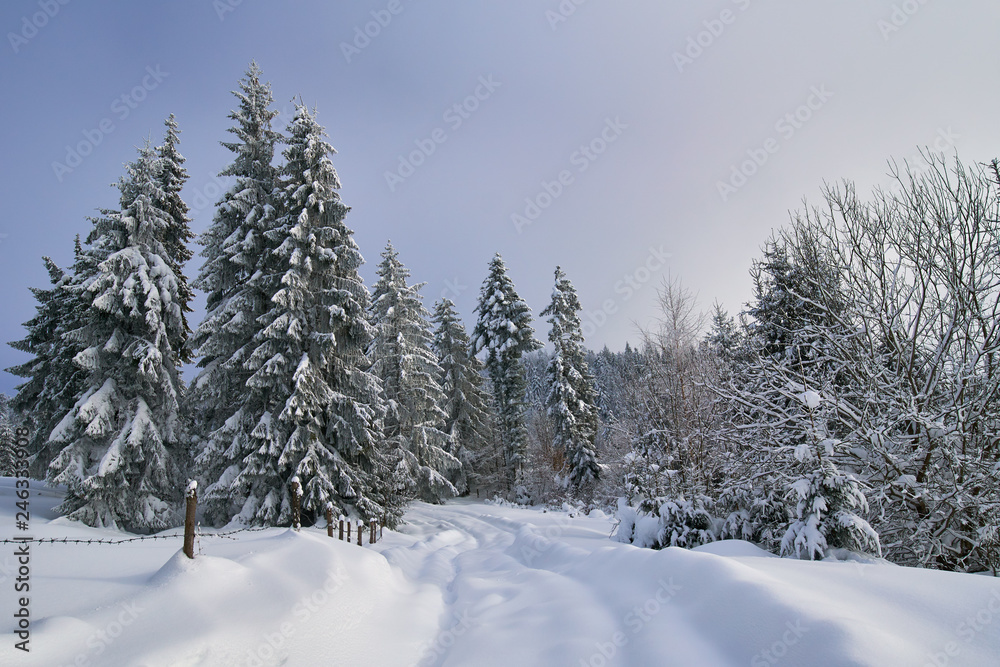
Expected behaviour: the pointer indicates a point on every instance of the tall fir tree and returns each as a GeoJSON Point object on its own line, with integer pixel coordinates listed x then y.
{"type": "Point", "coordinates": [240, 275]}
{"type": "Point", "coordinates": [118, 440]}
{"type": "Point", "coordinates": [10, 462]}
{"type": "Point", "coordinates": [572, 396]}
{"type": "Point", "coordinates": [317, 409]}
{"type": "Point", "coordinates": [403, 359]}
{"type": "Point", "coordinates": [53, 380]}
{"type": "Point", "coordinates": [466, 406]}
{"type": "Point", "coordinates": [178, 234]}
{"type": "Point", "coordinates": [503, 330]}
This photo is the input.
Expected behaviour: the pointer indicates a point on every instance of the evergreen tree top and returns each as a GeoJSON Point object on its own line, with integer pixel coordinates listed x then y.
{"type": "Point", "coordinates": [504, 325]}
{"type": "Point", "coordinates": [308, 157]}
{"type": "Point", "coordinates": [255, 149]}
{"type": "Point", "coordinates": [563, 311]}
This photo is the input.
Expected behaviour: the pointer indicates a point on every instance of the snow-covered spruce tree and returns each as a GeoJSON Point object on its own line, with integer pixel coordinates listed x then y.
{"type": "Point", "coordinates": [402, 357]}
{"type": "Point", "coordinates": [178, 234]}
{"type": "Point", "coordinates": [466, 406]}
{"type": "Point", "coordinates": [827, 501]}
{"type": "Point", "coordinates": [503, 330]}
{"type": "Point", "coordinates": [8, 437]}
{"type": "Point", "coordinates": [316, 407]}
{"type": "Point", "coordinates": [240, 275]}
{"type": "Point", "coordinates": [118, 440]}
{"type": "Point", "coordinates": [572, 397]}
{"type": "Point", "coordinates": [53, 380]}
{"type": "Point", "coordinates": [799, 304]}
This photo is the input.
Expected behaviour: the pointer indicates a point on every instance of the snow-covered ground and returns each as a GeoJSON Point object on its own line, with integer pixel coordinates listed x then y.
{"type": "Point", "coordinates": [476, 584]}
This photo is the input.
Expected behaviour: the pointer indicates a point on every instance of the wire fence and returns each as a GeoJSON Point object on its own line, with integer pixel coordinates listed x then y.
{"type": "Point", "coordinates": [141, 538]}
{"type": "Point", "coordinates": [192, 529]}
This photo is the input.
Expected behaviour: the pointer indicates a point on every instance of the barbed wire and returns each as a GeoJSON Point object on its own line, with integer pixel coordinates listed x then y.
{"type": "Point", "coordinates": [141, 538]}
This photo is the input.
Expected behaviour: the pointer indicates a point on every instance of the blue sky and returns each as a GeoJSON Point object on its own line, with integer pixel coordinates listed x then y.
{"type": "Point", "coordinates": [598, 136]}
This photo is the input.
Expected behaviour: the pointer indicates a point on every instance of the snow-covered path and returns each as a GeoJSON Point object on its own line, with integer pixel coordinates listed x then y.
{"type": "Point", "coordinates": [531, 588]}
{"type": "Point", "coordinates": [475, 584]}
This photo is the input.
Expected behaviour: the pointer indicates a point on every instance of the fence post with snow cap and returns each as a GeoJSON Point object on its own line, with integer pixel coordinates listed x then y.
{"type": "Point", "coordinates": [360, 525]}
{"type": "Point", "coordinates": [296, 504]}
{"type": "Point", "coordinates": [191, 494]}
{"type": "Point", "coordinates": [371, 536]}
{"type": "Point", "coordinates": [329, 519]}
{"type": "Point", "coordinates": [348, 530]}
{"type": "Point", "coordinates": [341, 527]}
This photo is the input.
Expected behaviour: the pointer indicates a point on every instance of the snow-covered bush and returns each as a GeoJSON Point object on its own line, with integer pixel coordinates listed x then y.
{"type": "Point", "coordinates": [826, 516]}
{"type": "Point", "coordinates": [753, 512]}
{"type": "Point", "coordinates": [674, 523]}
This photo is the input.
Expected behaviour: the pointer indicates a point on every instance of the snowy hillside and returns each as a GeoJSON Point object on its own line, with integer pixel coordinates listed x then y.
{"type": "Point", "coordinates": [477, 584]}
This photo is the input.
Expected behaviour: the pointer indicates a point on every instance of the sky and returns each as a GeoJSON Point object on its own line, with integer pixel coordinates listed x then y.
{"type": "Point", "coordinates": [623, 141]}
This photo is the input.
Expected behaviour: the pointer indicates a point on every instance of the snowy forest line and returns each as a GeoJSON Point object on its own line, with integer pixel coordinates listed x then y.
{"type": "Point", "coordinates": [850, 408]}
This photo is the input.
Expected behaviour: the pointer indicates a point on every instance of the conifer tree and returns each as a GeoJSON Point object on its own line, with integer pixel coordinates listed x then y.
{"type": "Point", "coordinates": [53, 380]}
{"type": "Point", "coordinates": [177, 234]}
{"type": "Point", "coordinates": [466, 406]}
{"type": "Point", "coordinates": [316, 408]}
{"type": "Point", "coordinates": [504, 332]}
{"type": "Point", "coordinates": [404, 361]}
{"type": "Point", "coordinates": [240, 276]}
{"type": "Point", "coordinates": [9, 461]}
{"type": "Point", "coordinates": [572, 396]}
{"type": "Point", "coordinates": [118, 439]}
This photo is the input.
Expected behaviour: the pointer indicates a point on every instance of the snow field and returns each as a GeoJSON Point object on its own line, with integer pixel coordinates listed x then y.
{"type": "Point", "coordinates": [479, 584]}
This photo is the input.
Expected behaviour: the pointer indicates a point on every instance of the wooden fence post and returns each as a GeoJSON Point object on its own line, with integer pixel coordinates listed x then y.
{"type": "Point", "coordinates": [329, 519]}
{"type": "Point", "coordinates": [341, 527]}
{"type": "Point", "coordinates": [360, 524]}
{"type": "Point", "coordinates": [348, 530]}
{"type": "Point", "coordinates": [381, 528]}
{"type": "Point", "coordinates": [371, 535]}
{"type": "Point", "coordinates": [296, 503]}
{"type": "Point", "coordinates": [189, 517]}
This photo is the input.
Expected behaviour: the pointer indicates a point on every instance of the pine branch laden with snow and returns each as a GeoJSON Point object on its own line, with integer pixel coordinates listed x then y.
{"type": "Point", "coordinates": [503, 330]}
{"type": "Point", "coordinates": [403, 359]}
{"type": "Point", "coordinates": [119, 441]}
